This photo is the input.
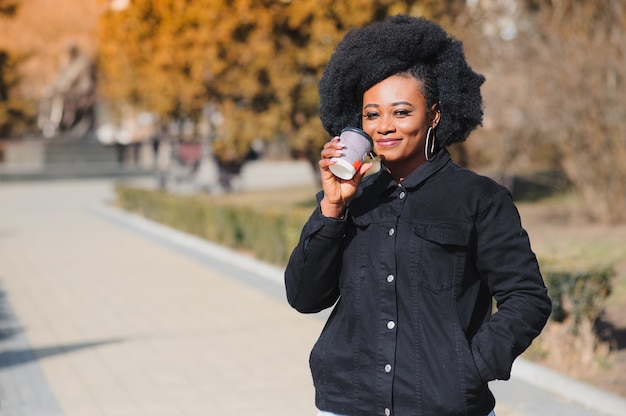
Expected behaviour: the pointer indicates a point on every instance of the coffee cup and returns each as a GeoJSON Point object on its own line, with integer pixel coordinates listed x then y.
{"type": "Point", "coordinates": [357, 144]}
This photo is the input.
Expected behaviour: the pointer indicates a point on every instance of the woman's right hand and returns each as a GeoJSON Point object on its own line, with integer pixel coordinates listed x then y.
{"type": "Point", "coordinates": [337, 191]}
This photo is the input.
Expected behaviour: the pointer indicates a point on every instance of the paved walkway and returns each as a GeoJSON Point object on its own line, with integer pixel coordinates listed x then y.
{"type": "Point", "coordinates": [103, 314]}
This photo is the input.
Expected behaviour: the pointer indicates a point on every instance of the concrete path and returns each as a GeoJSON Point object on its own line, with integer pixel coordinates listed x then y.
{"type": "Point", "coordinates": [104, 313]}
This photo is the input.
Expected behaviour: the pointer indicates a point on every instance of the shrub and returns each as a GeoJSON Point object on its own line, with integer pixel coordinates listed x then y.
{"type": "Point", "coordinates": [578, 293]}
{"type": "Point", "coordinates": [270, 233]}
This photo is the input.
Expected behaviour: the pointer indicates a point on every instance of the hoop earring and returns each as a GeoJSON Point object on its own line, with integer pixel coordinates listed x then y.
{"type": "Point", "coordinates": [428, 154]}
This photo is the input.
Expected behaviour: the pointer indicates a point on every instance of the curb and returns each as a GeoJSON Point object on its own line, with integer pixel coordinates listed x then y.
{"type": "Point", "coordinates": [577, 391]}
{"type": "Point", "coordinates": [198, 245]}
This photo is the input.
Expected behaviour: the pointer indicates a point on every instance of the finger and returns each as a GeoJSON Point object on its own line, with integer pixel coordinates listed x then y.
{"type": "Point", "coordinates": [365, 167]}
{"type": "Point", "coordinates": [333, 143]}
{"type": "Point", "coordinates": [331, 152]}
{"type": "Point", "coordinates": [326, 161]}
{"type": "Point", "coordinates": [362, 171]}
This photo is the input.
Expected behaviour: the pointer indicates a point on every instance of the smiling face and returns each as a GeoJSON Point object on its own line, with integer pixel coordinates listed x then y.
{"type": "Point", "coordinates": [396, 116]}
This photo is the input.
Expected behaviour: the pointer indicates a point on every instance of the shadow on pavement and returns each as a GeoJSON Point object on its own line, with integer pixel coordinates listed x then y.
{"type": "Point", "coordinates": [14, 349]}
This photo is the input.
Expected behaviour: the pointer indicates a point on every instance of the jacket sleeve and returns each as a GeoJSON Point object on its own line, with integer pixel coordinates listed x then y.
{"type": "Point", "coordinates": [312, 273]}
{"type": "Point", "coordinates": [505, 260]}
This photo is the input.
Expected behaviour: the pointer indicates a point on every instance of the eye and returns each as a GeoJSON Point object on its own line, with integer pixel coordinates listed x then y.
{"type": "Point", "coordinates": [402, 113]}
{"type": "Point", "coordinates": [371, 115]}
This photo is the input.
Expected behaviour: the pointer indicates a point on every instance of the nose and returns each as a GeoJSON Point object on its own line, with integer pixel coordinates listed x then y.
{"type": "Point", "coordinates": [385, 125]}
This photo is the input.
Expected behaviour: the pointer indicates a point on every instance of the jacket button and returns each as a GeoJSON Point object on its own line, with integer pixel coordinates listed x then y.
{"type": "Point", "coordinates": [402, 195]}
{"type": "Point", "coordinates": [392, 231]}
{"type": "Point", "coordinates": [387, 411]}
{"type": "Point", "coordinates": [391, 324]}
{"type": "Point", "coordinates": [390, 278]}
{"type": "Point", "coordinates": [388, 368]}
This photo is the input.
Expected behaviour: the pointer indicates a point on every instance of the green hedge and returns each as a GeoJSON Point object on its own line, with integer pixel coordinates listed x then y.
{"type": "Point", "coordinates": [269, 233]}
{"type": "Point", "coordinates": [578, 292]}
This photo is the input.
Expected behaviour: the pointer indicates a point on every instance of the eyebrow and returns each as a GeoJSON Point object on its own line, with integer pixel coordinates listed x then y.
{"type": "Point", "coordinates": [392, 104]}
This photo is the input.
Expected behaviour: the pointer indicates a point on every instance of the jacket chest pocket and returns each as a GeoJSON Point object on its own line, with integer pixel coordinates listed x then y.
{"type": "Point", "coordinates": [440, 253]}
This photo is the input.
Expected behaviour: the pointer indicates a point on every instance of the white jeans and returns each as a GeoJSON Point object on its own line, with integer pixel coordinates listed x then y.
{"type": "Point", "coordinates": [323, 413]}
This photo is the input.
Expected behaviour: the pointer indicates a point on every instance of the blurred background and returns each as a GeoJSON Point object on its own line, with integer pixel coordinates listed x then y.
{"type": "Point", "coordinates": [194, 93]}
{"type": "Point", "coordinates": [235, 81]}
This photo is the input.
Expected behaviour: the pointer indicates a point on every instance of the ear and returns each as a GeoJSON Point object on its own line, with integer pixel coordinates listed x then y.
{"type": "Point", "coordinates": [435, 115]}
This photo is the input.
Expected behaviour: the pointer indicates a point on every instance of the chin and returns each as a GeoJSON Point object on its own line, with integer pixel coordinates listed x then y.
{"type": "Point", "coordinates": [386, 157]}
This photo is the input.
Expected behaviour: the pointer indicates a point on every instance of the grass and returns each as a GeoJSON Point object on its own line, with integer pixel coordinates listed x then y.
{"type": "Point", "coordinates": [560, 233]}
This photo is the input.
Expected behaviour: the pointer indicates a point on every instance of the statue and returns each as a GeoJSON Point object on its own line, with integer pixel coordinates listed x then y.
{"type": "Point", "coordinates": [67, 107]}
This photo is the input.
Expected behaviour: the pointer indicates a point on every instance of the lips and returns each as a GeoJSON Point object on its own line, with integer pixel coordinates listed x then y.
{"type": "Point", "coordinates": [387, 142]}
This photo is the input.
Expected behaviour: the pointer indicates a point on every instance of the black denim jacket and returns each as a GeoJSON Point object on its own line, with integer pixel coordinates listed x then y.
{"type": "Point", "coordinates": [413, 269]}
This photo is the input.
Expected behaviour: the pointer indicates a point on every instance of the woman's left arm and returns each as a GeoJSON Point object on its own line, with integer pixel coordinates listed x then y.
{"type": "Point", "coordinates": [505, 259]}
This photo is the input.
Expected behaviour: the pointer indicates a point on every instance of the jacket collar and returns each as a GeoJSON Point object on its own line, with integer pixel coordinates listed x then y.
{"type": "Point", "coordinates": [385, 181]}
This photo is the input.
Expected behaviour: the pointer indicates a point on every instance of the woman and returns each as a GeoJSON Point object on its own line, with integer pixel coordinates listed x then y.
{"type": "Point", "coordinates": [411, 256]}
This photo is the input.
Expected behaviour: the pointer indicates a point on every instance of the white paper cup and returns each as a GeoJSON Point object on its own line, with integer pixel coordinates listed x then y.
{"type": "Point", "coordinates": [357, 144]}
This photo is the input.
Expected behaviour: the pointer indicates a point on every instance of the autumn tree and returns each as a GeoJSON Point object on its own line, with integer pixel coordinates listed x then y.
{"type": "Point", "coordinates": [257, 62]}
{"type": "Point", "coordinates": [581, 73]}
{"type": "Point", "coordinates": [556, 76]}
{"type": "Point", "coordinates": [15, 114]}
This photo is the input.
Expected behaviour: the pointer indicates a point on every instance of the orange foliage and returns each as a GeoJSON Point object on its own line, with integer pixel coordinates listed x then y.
{"type": "Point", "coordinates": [39, 32]}
{"type": "Point", "coordinates": [257, 61]}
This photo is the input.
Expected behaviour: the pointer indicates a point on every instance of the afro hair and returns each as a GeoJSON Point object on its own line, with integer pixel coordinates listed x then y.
{"type": "Point", "coordinates": [372, 53]}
